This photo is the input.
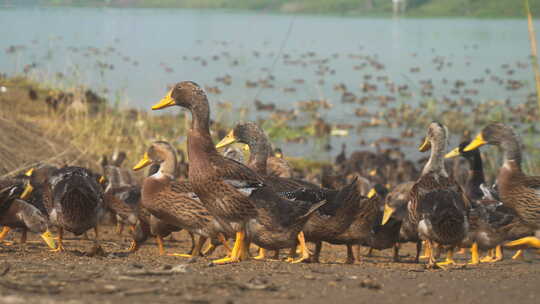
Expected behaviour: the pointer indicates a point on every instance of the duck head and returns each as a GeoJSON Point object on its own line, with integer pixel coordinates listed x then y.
{"type": "Point", "coordinates": [186, 94]}
{"type": "Point", "coordinates": [501, 135]}
{"type": "Point", "coordinates": [159, 153]}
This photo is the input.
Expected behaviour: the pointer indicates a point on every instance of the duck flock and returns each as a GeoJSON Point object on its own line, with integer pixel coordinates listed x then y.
{"type": "Point", "coordinates": [224, 199]}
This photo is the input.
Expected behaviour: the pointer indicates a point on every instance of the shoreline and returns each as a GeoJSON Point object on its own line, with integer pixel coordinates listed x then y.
{"type": "Point", "coordinates": [416, 13]}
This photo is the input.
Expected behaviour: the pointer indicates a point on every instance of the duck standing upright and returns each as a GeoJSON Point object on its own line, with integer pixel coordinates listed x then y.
{"type": "Point", "coordinates": [438, 206]}
{"type": "Point", "coordinates": [223, 185]}
{"type": "Point", "coordinates": [516, 189]}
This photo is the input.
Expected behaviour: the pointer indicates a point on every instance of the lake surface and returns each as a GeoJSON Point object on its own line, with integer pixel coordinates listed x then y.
{"type": "Point", "coordinates": [136, 53]}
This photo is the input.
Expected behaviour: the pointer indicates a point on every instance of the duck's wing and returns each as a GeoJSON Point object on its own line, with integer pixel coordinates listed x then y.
{"type": "Point", "coordinates": [238, 175]}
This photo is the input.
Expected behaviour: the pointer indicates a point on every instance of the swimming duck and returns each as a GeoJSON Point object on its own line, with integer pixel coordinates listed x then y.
{"type": "Point", "coordinates": [223, 185]}
{"type": "Point", "coordinates": [173, 202]}
{"type": "Point", "coordinates": [438, 206]}
{"type": "Point", "coordinates": [73, 198]}
{"type": "Point", "coordinates": [516, 189]}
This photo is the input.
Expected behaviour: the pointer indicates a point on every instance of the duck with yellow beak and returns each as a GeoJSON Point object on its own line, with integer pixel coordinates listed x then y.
{"type": "Point", "coordinates": [172, 201]}
{"type": "Point", "coordinates": [18, 213]}
{"type": "Point", "coordinates": [261, 158]}
{"type": "Point", "coordinates": [516, 189]}
{"type": "Point", "coordinates": [222, 185]}
{"type": "Point", "coordinates": [438, 206]}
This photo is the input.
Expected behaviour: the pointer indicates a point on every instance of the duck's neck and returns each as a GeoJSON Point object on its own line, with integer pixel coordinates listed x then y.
{"type": "Point", "coordinates": [260, 150]}
{"type": "Point", "coordinates": [435, 163]}
{"type": "Point", "coordinates": [167, 169]}
{"type": "Point", "coordinates": [200, 145]}
{"type": "Point", "coordinates": [476, 171]}
{"type": "Point", "coordinates": [511, 153]}
{"type": "Point", "coordinates": [114, 179]}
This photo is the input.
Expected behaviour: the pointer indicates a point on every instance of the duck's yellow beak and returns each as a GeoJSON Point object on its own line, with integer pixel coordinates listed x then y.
{"type": "Point", "coordinates": [167, 101]}
{"type": "Point", "coordinates": [227, 140]}
{"type": "Point", "coordinates": [102, 180]}
{"type": "Point", "coordinates": [27, 191]}
{"type": "Point", "coordinates": [476, 143]}
{"type": "Point", "coordinates": [278, 155]}
{"type": "Point", "coordinates": [145, 161]}
{"type": "Point", "coordinates": [426, 145]}
{"type": "Point", "coordinates": [48, 238]}
{"type": "Point", "coordinates": [373, 172]}
{"type": "Point", "coordinates": [29, 172]}
{"type": "Point", "coordinates": [388, 211]}
{"type": "Point", "coordinates": [371, 193]}
{"type": "Point", "coordinates": [452, 153]}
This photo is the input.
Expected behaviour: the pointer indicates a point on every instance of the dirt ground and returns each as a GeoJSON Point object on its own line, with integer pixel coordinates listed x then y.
{"type": "Point", "coordinates": [36, 275]}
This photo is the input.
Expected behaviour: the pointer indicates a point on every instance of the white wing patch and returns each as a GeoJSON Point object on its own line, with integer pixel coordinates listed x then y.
{"type": "Point", "coordinates": [244, 187]}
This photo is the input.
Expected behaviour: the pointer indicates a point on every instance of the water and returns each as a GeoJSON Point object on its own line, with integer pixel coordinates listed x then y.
{"type": "Point", "coordinates": [152, 48]}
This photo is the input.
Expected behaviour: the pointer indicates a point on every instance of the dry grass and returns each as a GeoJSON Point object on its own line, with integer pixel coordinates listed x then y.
{"type": "Point", "coordinates": [32, 132]}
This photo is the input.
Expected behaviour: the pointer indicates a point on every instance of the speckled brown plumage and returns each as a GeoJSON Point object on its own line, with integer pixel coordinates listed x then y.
{"type": "Point", "coordinates": [171, 201]}
{"type": "Point", "coordinates": [73, 198]}
{"type": "Point", "coordinates": [438, 206]}
{"type": "Point", "coordinates": [516, 189]}
{"type": "Point", "coordinates": [278, 220]}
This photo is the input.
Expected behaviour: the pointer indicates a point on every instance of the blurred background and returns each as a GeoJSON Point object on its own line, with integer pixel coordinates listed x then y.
{"type": "Point", "coordinates": [314, 73]}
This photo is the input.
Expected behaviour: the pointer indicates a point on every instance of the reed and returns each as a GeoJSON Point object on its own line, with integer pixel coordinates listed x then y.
{"type": "Point", "coordinates": [534, 53]}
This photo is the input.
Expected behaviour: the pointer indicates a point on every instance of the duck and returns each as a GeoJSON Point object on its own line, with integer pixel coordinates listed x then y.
{"type": "Point", "coordinates": [364, 226]}
{"type": "Point", "coordinates": [438, 206]}
{"type": "Point", "coordinates": [333, 218]}
{"type": "Point", "coordinates": [15, 212]}
{"type": "Point", "coordinates": [279, 221]}
{"type": "Point", "coordinates": [491, 222]}
{"type": "Point", "coordinates": [261, 158]}
{"type": "Point", "coordinates": [383, 236]}
{"type": "Point", "coordinates": [395, 209]}
{"type": "Point", "coordinates": [173, 202]}
{"type": "Point", "coordinates": [123, 200]}
{"type": "Point", "coordinates": [74, 200]}
{"type": "Point", "coordinates": [516, 189]}
{"type": "Point", "coordinates": [223, 185]}
{"type": "Point", "coordinates": [475, 177]}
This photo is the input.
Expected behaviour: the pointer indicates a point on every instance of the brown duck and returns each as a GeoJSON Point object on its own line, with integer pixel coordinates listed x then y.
{"type": "Point", "coordinates": [516, 189]}
{"type": "Point", "coordinates": [173, 202]}
{"type": "Point", "coordinates": [17, 213]}
{"type": "Point", "coordinates": [438, 207]}
{"type": "Point", "coordinates": [261, 159]}
{"type": "Point", "coordinates": [223, 185]}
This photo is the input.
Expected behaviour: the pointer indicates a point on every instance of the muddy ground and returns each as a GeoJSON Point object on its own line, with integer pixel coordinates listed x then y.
{"type": "Point", "coordinates": [36, 275]}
